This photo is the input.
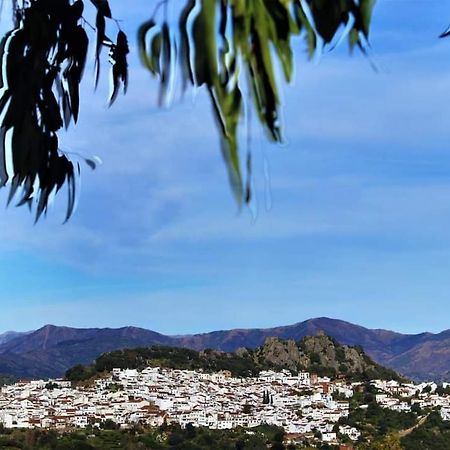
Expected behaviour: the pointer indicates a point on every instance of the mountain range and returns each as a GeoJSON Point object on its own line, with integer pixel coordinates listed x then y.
{"type": "Point", "coordinates": [51, 350]}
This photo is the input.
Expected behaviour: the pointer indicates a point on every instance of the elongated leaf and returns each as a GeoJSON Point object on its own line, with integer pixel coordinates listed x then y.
{"type": "Point", "coordinates": [185, 47]}
{"type": "Point", "coordinates": [142, 44]}
{"type": "Point", "coordinates": [166, 60]}
{"type": "Point", "coordinates": [101, 25]}
{"type": "Point", "coordinates": [120, 66]}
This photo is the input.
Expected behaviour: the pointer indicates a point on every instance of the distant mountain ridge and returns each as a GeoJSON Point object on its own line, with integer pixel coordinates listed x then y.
{"type": "Point", "coordinates": [51, 350]}
{"type": "Point", "coordinates": [9, 335]}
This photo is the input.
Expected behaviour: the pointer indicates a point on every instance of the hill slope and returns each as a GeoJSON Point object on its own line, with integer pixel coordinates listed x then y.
{"type": "Point", "coordinates": [51, 350]}
{"type": "Point", "coordinates": [421, 356]}
{"type": "Point", "coordinates": [318, 354]}
{"type": "Point", "coordinates": [9, 335]}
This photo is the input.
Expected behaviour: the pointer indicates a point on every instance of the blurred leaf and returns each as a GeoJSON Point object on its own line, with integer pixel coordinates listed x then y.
{"type": "Point", "coordinates": [101, 26]}
{"type": "Point", "coordinates": [166, 62]}
{"type": "Point", "coordinates": [227, 46]}
{"type": "Point", "coordinates": [118, 54]}
{"type": "Point", "coordinates": [142, 45]}
{"type": "Point", "coordinates": [185, 47]}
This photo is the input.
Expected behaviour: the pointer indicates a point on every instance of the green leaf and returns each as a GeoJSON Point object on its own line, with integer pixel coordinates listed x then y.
{"type": "Point", "coordinates": [142, 44]}
{"type": "Point", "coordinates": [185, 47]}
{"type": "Point", "coordinates": [204, 37]}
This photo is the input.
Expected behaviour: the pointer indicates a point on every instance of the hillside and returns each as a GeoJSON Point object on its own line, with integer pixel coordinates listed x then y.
{"type": "Point", "coordinates": [51, 350]}
{"type": "Point", "coordinates": [318, 354]}
{"type": "Point", "coordinates": [424, 356]}
{"type": "Point", "coordinates": [10, 335]}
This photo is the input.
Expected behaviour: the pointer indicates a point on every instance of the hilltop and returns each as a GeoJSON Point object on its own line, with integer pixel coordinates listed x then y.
{"type": "Point", "coordinates": [319, 354]}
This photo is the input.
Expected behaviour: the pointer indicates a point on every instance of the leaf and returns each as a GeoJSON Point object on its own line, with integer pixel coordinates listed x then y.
{"type": "Point", "coordinates": [366, 8]}
{"type": "Point", "coordinates": [77, 10]}
{"type": "Point", "coordinates": [303, 22]}
{"type": "Point", "coordinates": [79, 48]}
{"type": "Point", "coordinates": [353, 38]}
{"type": "Point", "coordinates": [142, 45]}
{"type": "Point", "coordinates": [102, 7]}
{"type": "Point", "coordinates": [248, 186]}
{"type": "Point", "coordinates": [166, 60]}
{"type": "Point", "coordinates": [120, 66]}
{"type": "Point", "coordinates": [67, 110]}
{"type": "Point", "coordinates": [156, 45]}
{"type": "Point", "coordinates": [204, 37]}
{"type": "Point", "coordinates": [227, 112]}
{"type": "Point", "coordinates": [185, 46]}
{"type": "Point", "coordinates": [279, 32]}
{"type": "Point", "coordinates": [328, 15]}
{"type": "Point", "coordinates": [445, 33]}
{"type": "Point", "coordinates": [100, 24]}
{"type": "Point", "coordinates": [92, 162]}
{"type": "Point", "coordinates": [3, 172]}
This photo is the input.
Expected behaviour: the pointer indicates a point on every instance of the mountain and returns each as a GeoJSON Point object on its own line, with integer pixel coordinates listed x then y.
{"type": "Point", "coordinates": [424, 356]}
{"type": "Point", "coordinates": [9, 335]}
{"type": "Point", "coordinates": [316, 354]}
{"type": "Point", "coordinates": [51, 350]}
{"type": "Point", "coordinates": [382, 343]}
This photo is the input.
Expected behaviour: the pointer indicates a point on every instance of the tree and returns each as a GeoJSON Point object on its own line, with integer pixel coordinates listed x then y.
{"type": "Point", "coordinates": [109, 424]}
{"type": "Point", "coordinates": [266, 398]}
{"type": "Point", "coordinates": [390, 442]}
{"type": "Point", "coordinates": [229, 47]}
{"type": "Point", "coordinates": [247, 408]}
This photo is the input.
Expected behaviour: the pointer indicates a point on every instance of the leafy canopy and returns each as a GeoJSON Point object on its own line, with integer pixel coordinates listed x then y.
{"type": "Point", "coordinates": [229, 47]}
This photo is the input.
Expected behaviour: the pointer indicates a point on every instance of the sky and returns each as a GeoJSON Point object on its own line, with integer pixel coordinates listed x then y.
{"type": "Point", "coordinates": [351, 216]}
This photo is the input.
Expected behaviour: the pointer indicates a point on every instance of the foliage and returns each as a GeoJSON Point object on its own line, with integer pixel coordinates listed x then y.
{"type": "Point", "coordinates": [218, 44]}
{"type": "Point", "coordinates": [45, 53]}
{"type": "Point", "coordinates": [109, 424]}
{"type": "Point", "coordinates": [390, 442]}
{"type": "Point", "coordinates": [443, 391]}
{"type": "Point", "coordinates": [235, 39]}
{"type": "Point", "coordinates": [169, 357]}
{"type": "Point", "coordinates": [171, 437]}
{"type": "Point", "coordinates": [79, 373]}
{"type": "Point", "coordinates": [7, 379]}
{"type": "Point", "coordinates": [433, 434]}
{"type": "Point", "coordinates": [376, 422]}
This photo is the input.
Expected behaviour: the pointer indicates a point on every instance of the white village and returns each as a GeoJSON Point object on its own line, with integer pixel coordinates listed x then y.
{"type": "Point", "coordinates": [301, 404]}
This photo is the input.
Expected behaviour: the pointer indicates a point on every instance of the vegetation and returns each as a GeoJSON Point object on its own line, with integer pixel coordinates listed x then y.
{"type": "Point", "coordinates": [169, 357]}
{"type": "Point", "coordinates": [7, 379]}
{"type": "Point", "coordinates": [380, 427]}
{"type": "Point", "coordinates": [315, 354]}
{"type": "Point", "coordinates": [376, 422]}
{"type": "Point", "coordinates": [384, 429]}
{"type": "Point", "coordinates": [229, 47]}
{"type": "Point", "coordinates": [433, 434]}
{"type": "Point", "coordinates": [443, 391]}
{"type": "Point", "coordinates": [166, 437]}
{"type": "Point", "coordinates": [390, 442]}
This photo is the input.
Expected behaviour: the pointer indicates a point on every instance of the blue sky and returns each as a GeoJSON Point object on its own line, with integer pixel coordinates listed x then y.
{"type": "Point", "coordinates": [351, 218]}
